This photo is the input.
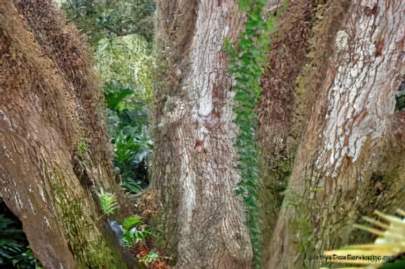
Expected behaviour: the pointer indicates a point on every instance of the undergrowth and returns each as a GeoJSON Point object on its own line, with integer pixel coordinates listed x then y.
{"type": "Point", "coordinates": [132, 233]}
{"type": "Point", "coordinates": [247, 60]}
{"type": "Point", "coordinates": [125, 65]}
{"type": "Point", "coordinates": [14, 249]}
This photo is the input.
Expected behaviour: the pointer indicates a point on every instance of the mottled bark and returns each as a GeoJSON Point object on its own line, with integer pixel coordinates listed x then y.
{"type": "Point", "coordinates": [345, 166]}
{"type": "Point", "coordinates": [54, 149]}
{"type": "Point", "coordinates": [195, 170]}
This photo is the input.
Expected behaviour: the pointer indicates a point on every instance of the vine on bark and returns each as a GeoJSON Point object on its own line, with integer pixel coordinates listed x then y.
{"type": "Point", "coordinates": [247, 59]}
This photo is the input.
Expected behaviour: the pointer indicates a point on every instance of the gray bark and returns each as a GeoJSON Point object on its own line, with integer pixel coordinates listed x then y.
{"type": "Point", "coordinates": [195, 170]}
{"type": "Point", "coordinates": [345, 166]}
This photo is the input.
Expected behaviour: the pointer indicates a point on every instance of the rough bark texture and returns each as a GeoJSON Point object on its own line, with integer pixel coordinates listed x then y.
{"type": "Point", "coordinates": [54, 149]}
{"type": "Point", "coordinates": [195, 165]}
{"type": "Point", "coordinates": [345, 165]}
{"type": "Point", "coordinates": [277, 136]}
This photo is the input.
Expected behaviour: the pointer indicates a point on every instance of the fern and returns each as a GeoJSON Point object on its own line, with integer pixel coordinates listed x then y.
{"type": "Point", "coordinates": [108, 202]}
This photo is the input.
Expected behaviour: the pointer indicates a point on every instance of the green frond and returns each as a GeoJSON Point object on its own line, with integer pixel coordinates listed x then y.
{"type": "Point", "coordinates": [131, 221]}
{"type": "Point", "coordinates": [108, 202]}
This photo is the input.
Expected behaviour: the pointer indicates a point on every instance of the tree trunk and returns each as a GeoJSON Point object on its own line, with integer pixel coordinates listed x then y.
{"type": "Point", "coordinates": [350, 159]}
{"type": "Point", "coordinates": [54, 149]}
{"type": "Point", "coordinates": [278, 137]}
{"type": "Point", "coordinates": [195, 171]}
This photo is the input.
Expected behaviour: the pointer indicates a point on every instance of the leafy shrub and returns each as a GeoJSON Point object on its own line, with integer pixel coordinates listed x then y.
{"type": "Point", "coordinates": [131, 222]}
{"type": "Point", "coordinates": [128, 61]}
{"type": "Point", "coordinates": [134, 231]}
{"type": "Point", "coordinates": [125, 65]}
{"type": "Point", "coordinates": [134, 236]}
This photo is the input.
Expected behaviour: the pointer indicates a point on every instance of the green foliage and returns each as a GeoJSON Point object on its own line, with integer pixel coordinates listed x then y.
{"type": "Point", "coordinates": [132, 146]}
{"type": "Point", "coordinates": [120, 32]}
{"type": "Point", "coordinates": [131, 222]}
{"type": "Point", "coordinates": [108, 202]}
{"type": "Point", "coordinates": [111, 18]}
{"type": "Point", "coordinates": [114, 99]}
{"type": "Point", "coordinates": [14, 251]}
{"type": "Point", "coordinates": [134, 231]}
{"type": "Point", "coordinates": [247, 59]}
{"type": "Point", "coordinates": [125, 65]}
{"type": "Point", "coordinates": [134, 236]}
{"type": "Point", "coordinates": [126, 60]}
{"type": "Point", "coordinates": [132, 186]}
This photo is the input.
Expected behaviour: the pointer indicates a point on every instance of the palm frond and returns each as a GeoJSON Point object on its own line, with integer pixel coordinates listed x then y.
{"type": "Point", "coordinates": [389, 244]}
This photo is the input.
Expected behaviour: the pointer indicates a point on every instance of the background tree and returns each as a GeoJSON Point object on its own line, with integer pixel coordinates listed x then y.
{"type": "Point", "coordinates": [55, 151]}
{"type": "Point", "coordinates": [100, 18]}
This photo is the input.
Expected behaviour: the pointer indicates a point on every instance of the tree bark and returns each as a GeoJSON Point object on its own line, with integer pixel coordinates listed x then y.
{"type": "Point", "coordinates": [345, 165]}
{"type": "Point", "coordinates": [277, 134]}
{"type": "Point", "coordinates": [194, 162]}
{"type": "Point", "coordinates": [54, 149]}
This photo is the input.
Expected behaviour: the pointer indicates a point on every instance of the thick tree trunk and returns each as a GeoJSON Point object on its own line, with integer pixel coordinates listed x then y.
{"type": "Point", "coordinates": [54, 150]}
{"type": "Point", "coordinates": [345, 165]}
{"type": "Point", "coordinates": [195, 170]}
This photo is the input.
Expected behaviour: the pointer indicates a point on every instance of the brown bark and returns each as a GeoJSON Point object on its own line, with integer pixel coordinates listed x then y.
{"type": "Point", "coordinates": [277, 135]}
{"type": "Point", "coordinates": [345, 166]}
{"type": "Point", "coordinates": [54, 149]}
{"type": "Point", "coordinates": [194, 164]}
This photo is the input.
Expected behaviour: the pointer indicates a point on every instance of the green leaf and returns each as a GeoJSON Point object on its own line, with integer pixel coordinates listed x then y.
{"type": "Point", "coordinates": [131, 221]}
{"type": "Point", "coordinates": [115, 98]}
